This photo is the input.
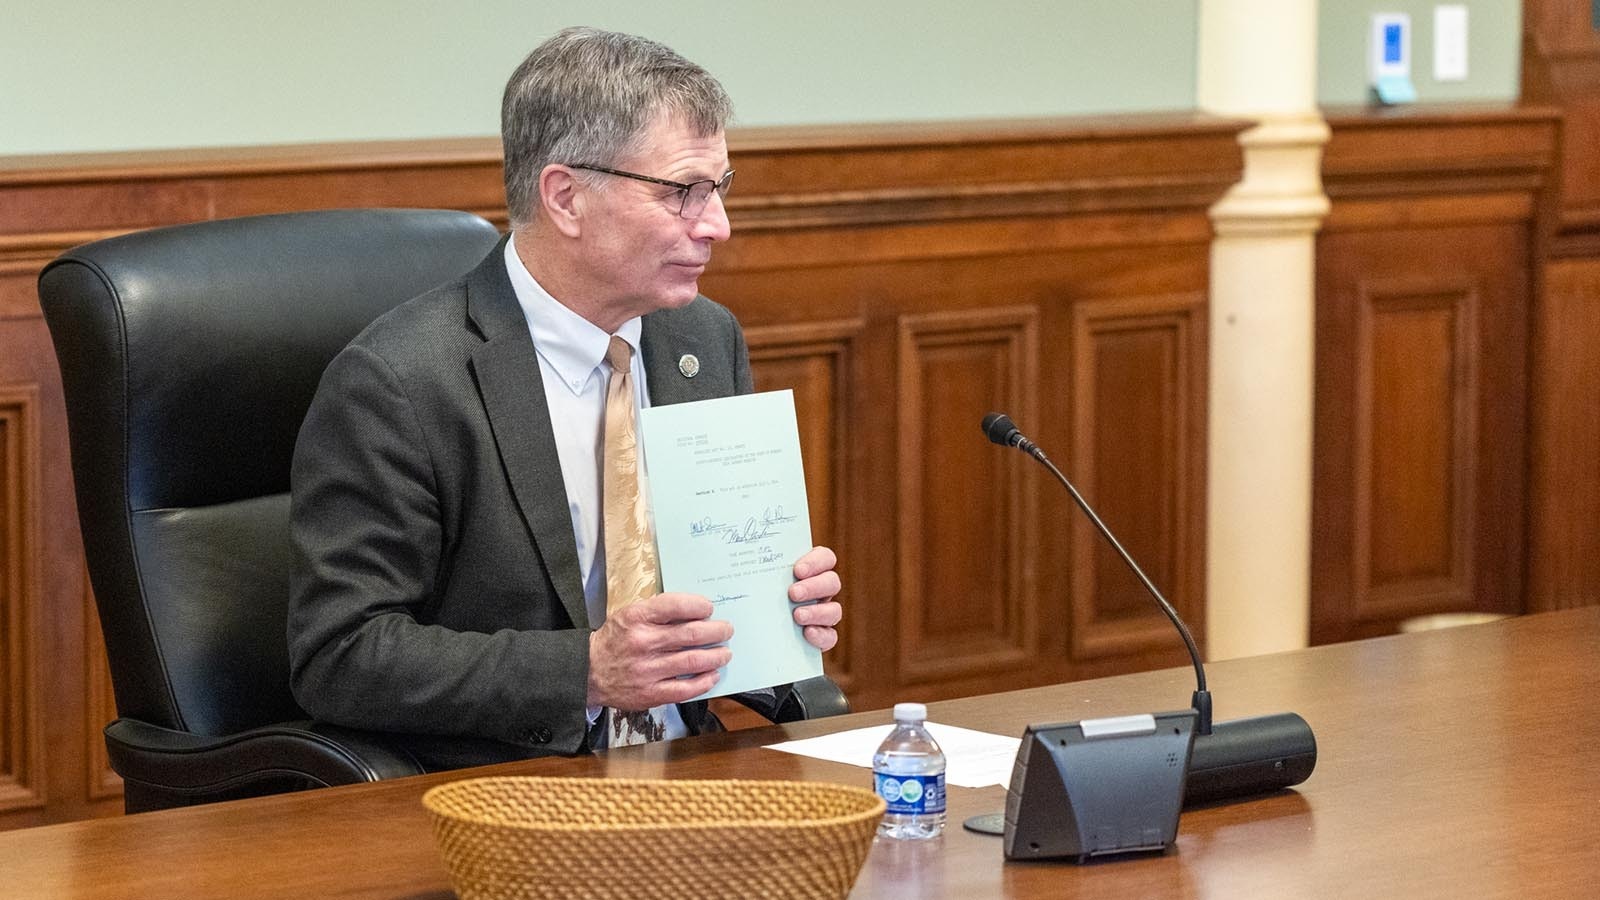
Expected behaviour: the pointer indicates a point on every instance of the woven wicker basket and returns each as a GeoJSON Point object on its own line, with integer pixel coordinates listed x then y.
{"type": "Point", "coordinates": [626, 838]}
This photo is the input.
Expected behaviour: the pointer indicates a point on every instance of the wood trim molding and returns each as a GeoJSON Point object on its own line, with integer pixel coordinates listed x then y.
{"type": "Point", "coordinates": [22, 760]}
{"type": "Point", "coordinates": [793, 178]}
{"type": "Point", "coordinates": [1439, 165]}
{"type": "Point", "coordinates": [992, 355]}
{"type": "Point", "coordinates": [1410, 149]}
{"type": "Point", "coordinates": [788, 178]}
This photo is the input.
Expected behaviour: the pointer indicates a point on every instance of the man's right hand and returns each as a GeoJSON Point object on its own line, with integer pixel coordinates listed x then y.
{"type": "Point", "coordinates": [638, 657]}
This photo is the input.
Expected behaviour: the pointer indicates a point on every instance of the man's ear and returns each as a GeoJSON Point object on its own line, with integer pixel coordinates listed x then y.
{"type": "Point", "coordinates": [561, 196]}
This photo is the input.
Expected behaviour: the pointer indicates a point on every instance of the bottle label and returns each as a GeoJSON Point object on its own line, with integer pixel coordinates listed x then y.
{"type": "Point", "coordinates": [911, 794]}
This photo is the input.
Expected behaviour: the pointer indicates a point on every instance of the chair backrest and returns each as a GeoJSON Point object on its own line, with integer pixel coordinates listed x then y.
{"type": "Point", "coordinates": [189, 356]}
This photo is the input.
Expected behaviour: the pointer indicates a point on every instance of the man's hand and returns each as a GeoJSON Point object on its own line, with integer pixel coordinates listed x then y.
{"type": "Point", "coordinates": [637, 656]}
{"type": "Point", "coordinates": [817, 581]}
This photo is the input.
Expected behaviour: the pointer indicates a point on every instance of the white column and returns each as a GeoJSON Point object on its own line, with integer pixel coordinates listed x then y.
{"type": "Point", "coordinates": [1258, 61]}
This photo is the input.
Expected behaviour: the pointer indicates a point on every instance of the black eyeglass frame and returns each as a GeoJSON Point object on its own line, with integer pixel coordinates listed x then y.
{"type": "Point", "coordinates": [720, 185]}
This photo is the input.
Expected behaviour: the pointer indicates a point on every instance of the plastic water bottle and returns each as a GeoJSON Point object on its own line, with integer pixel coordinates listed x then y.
{"type": "Point", "coordinates": [908, 773]}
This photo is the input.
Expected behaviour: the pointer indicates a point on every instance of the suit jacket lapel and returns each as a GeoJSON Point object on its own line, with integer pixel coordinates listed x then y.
{"type": "Point", "coordinates": [664, 346]}
{"type": "Point", "coordinates": [507, 371]}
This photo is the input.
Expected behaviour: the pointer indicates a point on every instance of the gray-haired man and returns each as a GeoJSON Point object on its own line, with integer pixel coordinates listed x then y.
{"type": "Point", "coordinates": [448, 506]}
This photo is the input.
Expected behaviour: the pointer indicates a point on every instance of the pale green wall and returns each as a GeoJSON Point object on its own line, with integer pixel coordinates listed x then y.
{"type": "Point", "coordinates": [81, 75]}
{"type": "Point", "coordinates": [1494, 50]}
{"type": "Point", "coordinates": [126, 74]}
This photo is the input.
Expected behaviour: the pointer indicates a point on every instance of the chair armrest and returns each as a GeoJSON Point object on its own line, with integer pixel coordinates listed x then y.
{"type": "Point", "coordinates": [813, 698]}
{"type": "Point", "coordinates": [166, 768]}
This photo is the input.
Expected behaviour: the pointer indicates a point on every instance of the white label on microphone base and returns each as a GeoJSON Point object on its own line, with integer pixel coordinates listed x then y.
{"type": "Point", "coordinates": [1118, 726]}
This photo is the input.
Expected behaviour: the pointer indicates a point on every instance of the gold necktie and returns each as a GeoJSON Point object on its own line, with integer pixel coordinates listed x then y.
{"type": "Point", "coordinates": [632, 572]}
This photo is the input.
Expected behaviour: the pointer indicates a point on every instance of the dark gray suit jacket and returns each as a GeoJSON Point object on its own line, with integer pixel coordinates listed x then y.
{"type": "Point", "coordinates": [436, 589]}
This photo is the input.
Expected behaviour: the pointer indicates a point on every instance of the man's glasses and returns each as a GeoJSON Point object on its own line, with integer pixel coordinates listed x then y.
{"type": "Point", "coordinates": [695, 195]}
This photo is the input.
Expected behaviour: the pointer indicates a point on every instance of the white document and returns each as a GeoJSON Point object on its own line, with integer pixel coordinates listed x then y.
{"type": "Point", "coordinates": [728, 493]}
{"type": "Point", "coordinates": [972, 758]}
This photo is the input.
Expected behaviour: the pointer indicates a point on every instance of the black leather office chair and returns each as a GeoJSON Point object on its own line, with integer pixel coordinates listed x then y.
{"type": "Point", "coordinates": [189, 356]}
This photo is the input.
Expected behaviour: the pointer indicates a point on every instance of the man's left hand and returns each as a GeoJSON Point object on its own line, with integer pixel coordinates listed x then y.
{"type": "Point", "coordinates": [816, 580]}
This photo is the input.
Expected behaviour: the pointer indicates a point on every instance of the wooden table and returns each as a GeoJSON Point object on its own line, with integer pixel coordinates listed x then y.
{"type": "Point", "coordinates": [1457, 763]}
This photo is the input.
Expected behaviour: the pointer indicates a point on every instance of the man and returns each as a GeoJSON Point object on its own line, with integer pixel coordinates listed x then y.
{"type": "Point", "coordinates": [449, 516]}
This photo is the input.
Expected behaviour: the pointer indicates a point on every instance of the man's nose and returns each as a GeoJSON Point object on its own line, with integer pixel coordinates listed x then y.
{"type": "Point", "coordinates": [713, 220]}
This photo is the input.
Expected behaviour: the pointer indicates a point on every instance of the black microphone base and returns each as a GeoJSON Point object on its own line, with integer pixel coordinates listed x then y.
{"type": "Point", "coordinates": [1238, 759]}
{"type": "Point", "coordinates": [1245, 757]}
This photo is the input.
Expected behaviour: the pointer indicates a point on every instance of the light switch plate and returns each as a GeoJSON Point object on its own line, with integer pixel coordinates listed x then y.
{"type": "Point", "coordinates": [1450, 43]}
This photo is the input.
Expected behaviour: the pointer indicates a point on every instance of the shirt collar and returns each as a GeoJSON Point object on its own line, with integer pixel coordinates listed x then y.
{"type": "Point", "coordinates": [572, 345]}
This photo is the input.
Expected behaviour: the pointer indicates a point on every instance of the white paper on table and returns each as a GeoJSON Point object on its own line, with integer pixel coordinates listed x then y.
{"type": "Point", "coordinates": [972, 758]}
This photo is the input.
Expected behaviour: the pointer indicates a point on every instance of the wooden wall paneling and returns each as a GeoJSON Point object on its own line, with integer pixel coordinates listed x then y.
{"type": "Point", "coordinates": [1416, 455]}
{"type": "Point", "coordinates": [1138, 458]}
{"type": "Point", "coordinates": [1564, 532]}
{"type": "Point", "coordinates": [1567, 24]}
{"type": "Point", "coordinates": [1425, 300]}
{"type": "Point", "coordinates": [19, 271]}
{"type": "Point", "coordinates": [53, 584]}
{"type": "Point", "coordinates": [865, 256]}
{"type": "Point", "coordinates": [817, 362]}
{"type": "Point", "coordinates": [985, 169]}
{"type": "Point", "coordinates": [52, 203]}
{"type": "Point", "coordinates": [966, 275]}
{"type": "Point", "coordinates": [938, 223]}
{"type": "Point", "coordinates": [22, 760]}
{"type": "Point", "coordinates": [1561, 68]}
{"type": "Point", "coordinates": [967, 598]}
{"type": "Point", "coordinates": [1420, 425]}
{"type": "Point", "coordinates": [1576, 83]}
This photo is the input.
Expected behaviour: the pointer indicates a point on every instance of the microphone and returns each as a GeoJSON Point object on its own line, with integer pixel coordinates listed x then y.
{"type": "Point", "coordinates": [1233, 759]}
